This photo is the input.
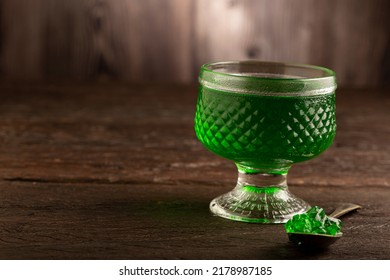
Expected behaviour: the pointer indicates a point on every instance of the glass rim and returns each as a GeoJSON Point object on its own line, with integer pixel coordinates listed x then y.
{"type": "Point", "coordinates": [291, 85]}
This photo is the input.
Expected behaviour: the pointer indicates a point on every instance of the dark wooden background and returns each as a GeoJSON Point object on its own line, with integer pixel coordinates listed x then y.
{"type": "Point", "coordinates": [167, 40]}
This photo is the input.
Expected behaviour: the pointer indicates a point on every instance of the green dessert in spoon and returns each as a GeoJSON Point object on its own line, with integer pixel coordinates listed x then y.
{"type": "Point", "coordinates": [314, 221]}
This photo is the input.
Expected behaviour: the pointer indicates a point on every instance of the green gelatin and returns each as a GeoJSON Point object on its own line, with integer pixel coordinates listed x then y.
{"type": "Point", "coordinates": [314, 221]}
{"type": "Point", "coordinates": [265, 132]}
{"type": "Point", "coordinates": [253, 189]}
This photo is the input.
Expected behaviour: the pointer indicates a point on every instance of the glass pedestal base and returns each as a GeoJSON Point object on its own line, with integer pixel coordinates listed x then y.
{"type": "Point", "coordinates": [259, 198]}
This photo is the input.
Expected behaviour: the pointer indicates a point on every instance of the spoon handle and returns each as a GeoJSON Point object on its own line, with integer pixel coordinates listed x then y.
{"type": "Point", "coordinates": [344, 209]}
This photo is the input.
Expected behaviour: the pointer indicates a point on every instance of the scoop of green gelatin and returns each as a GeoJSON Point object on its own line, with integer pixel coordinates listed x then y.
{"type": "Point", "coordinates": [314, 221]}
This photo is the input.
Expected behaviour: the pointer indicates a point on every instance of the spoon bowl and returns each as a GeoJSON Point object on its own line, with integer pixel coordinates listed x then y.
{"type": "Point", "coordinates": [321, 241]}
{"type": "Point", "coordinates": [313, 240]}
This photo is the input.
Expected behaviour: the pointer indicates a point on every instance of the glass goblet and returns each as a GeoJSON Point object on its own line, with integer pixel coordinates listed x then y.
{"type": "Point", "coordinates": [264, 116]}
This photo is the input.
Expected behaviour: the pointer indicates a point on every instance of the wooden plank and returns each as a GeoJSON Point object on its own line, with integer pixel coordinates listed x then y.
{"type": "Point", "coordinates": [343, 35]}
{"type": "Point", "coordinates": [157, 221]}
{"type": "Point", "coordinates": [168, 40]}
{"type": "Point", "coordinates": [21, 39]}
{"type": "Point", "coordinates": [159, 41]}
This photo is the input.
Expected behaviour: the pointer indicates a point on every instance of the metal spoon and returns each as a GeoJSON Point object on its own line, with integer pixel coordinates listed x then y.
{"type": "Point", "coordinates": [309, 240]}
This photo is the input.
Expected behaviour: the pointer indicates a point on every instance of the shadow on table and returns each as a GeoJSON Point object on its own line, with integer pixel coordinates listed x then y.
{"type": "Point", "coordinates": [185, 229]}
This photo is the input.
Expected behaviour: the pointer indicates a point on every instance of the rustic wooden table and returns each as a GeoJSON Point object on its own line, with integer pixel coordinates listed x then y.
{"type": "Point", "coordinates": [112, 171]}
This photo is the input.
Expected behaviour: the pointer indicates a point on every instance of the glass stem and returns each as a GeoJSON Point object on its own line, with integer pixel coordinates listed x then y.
{"type": "Point", "coordinates": [260, 196]}
{"type": "Point", "coordinates": [262, 180]}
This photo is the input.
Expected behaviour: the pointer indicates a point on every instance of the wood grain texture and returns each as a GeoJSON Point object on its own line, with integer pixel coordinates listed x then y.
{"type": "Point", "coordinates": [168, 40]}
{"type": "Point", "coordinates": [114, 171]}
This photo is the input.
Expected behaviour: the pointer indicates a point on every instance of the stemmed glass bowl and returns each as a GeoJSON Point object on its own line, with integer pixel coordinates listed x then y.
{"type": "Point", "coordinates": [264, 116]}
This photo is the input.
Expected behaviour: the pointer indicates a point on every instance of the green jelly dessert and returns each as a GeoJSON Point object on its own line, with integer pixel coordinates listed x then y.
{"type": "Point", "coordinates": [314, 221]}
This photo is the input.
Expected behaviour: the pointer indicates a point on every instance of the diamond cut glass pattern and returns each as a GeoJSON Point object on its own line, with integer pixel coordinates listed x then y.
{"type": "Point", "coordinates": [242, 128]}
